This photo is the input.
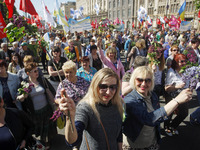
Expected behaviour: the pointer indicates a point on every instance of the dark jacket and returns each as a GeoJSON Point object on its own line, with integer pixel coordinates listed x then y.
{"type": "Point", "coordinates": [27, 105]}
{"type": "Point", "coordinates": [3, 56]}
{"type": "Point", "coordinates": [137, 115]}
{"type": "Point", "coordinates": [19, 124]}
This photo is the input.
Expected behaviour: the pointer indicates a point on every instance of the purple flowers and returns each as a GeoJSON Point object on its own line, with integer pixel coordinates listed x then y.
{"type": "Point", "coordinates": [56, 115]}
{"type": "Point", "coordinates": [191, 74]}
{"type": "Point", "coordinates": [155, 51]}
{"type": "Point", "coordinates": [26, 88]}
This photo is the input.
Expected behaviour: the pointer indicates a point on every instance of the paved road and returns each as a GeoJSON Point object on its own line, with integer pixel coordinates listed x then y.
{"type": "Point", "coordinates": [188, 138]}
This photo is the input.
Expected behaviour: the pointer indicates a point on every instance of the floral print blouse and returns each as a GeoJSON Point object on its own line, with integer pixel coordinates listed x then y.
{"type": "Point", "coordinates": [82, 73]}
{"type": "Point", "coordinates": [76, 91]}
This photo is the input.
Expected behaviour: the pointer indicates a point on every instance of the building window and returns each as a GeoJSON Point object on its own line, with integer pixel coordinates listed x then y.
{"type": "Point", "coordinates": [194, 7]}
{"type": "Point", "coordinates": [114, 4]}
{"type": "Point", "coordinates": [190, 7]}
{"type": "Point", "coordinates": [123, 13]}
{"type": "Point", "coordinates": [187, 6]}
{"type": "Point", "coordinates": [129, 12]}
{"type": "Point", "coordinates": [123, 2]}
{"type": "Point", "coordinates": [110, 5]}
{"type": "Point", "coordinates": [129, 1]}
{"type": "Point", "coordinates": [118, 13]}
{"type": "Point", "coordinates": [118, 3]}
{"type": "Point", "coordinates": [113, 14]}
{"type": "Point", "coordinates": [110, 14]}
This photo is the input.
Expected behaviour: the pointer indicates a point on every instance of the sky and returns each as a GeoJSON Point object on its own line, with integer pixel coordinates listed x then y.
{"type": "Point", "coordinates": [38, 5]}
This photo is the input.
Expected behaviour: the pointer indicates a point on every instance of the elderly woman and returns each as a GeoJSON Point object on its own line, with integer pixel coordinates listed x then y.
{"type": "Point", "coordinates": [143, 113]}
{"type": "Point", "coordinates": [137, 50]}
{"type": "Point", "coordinates": [9, 84]}
{"type": "Point", "coordinates": [37, 105]}
{"type": "Point", "coordinates": [86, 71]}
{"type": "Point", "coordinates": [5, 53]}
{"type": "Point", "coordinates": [58, 61]}
{"type": "Point", "coordinates": [15, 47]}
{"type": "Point", "coordinates": [110, 61]}
{"type": "Point", "coordinates": [99, 114]}
{"type": "Point", "coordinates": [173, 86]}
{"type": "Point", "coordinates": [95, 61]}
{"type": "Point", "coordinates": [15, 128]}
{"type": "Point", "coordinates": [76, 87]}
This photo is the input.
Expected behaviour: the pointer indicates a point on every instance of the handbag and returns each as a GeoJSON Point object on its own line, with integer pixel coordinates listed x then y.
{"type": "Point", "coordinates": [108, 146]}
{"type": "Point", "coordinates": [49, 95]}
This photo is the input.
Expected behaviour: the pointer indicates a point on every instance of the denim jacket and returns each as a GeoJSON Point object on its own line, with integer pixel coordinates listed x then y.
{"type": "Point", "coordinates": [137, 115]}
{"type": "Point", "coordinates": [13, 84]}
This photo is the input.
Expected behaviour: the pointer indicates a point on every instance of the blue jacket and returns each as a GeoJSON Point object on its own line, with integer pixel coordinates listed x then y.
{"type": "Point", "coordinates": [137, 115]}
{"type": "Point", "coordinates": [127, 44]}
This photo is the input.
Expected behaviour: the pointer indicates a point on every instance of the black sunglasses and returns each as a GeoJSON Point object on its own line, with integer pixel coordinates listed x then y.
{"type": "Point", "coordinates": [105, 87]}
{"type": "Point", "coordinates": [148, 80]}
{"type": "Point", "coordinates": [56, 51]}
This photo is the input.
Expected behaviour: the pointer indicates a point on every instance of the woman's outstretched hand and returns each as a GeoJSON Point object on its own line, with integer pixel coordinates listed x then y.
{"type": "Point", "coordinates": [67, 104]}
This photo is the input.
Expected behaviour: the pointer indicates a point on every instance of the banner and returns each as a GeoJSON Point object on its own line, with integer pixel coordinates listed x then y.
{"type": "Point", "coordinates": [185, 25]}
{"type": "Point", "coordinates": [80, 25]}
{"type": "Point", "coordinates": [2, 26]}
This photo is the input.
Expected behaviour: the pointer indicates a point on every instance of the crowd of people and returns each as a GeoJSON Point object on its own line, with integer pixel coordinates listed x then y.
{"type": "Point", "coordinates": [101, 96]}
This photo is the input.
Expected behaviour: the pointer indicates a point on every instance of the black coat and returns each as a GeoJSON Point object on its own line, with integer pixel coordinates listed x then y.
{"type": "Point", "coordinates": [27, 105]}
{"type": "Point", "coordinates": [19, 124]}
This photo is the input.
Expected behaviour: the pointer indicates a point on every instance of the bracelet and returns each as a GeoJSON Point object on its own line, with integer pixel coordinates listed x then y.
{"type": "Point", "coordinates": [176, 101]}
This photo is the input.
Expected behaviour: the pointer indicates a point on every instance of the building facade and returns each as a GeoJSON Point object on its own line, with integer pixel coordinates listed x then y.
{"type": "Point", "coordinates": [126, 10]}
{"type": "Point", "coordinates": [88, 8]}
{"type": "Point", "coordinates": [65, 7]}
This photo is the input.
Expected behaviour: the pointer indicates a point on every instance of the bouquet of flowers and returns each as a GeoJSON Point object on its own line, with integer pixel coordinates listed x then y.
{"type": "Point", "coordinates": [26, 88]}
{"type": "Point", "coordinates": [70, 55]}
{"type": "Point", "coordinates": [155, 51]}
{"type": "Point", "coordinates": [191, 57]}
{"type": "Point", "coordinates": [192, 75]}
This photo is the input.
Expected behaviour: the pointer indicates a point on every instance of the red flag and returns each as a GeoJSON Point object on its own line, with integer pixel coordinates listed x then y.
{"type": "Point", "coordinates": [179, 20]}
{"type": "Point", "coordinates": [27, 6]}
{"type": "Point", "coordinates": [166, 19]}
{"type": "Point", "coordinates": [66, 18]}
{"type": "Point", "coordinates": [2, 26]}
{"type": "Point", "coordinates": [133, 25]}
{"type": "Point", "coordinates": [158, 21]}
{"type": "Point", "coordinates": [163, 27]}
{"type": "Point", "coordinates": [199, 14]}
{"type": "Point", "coordinates": [10, 5]}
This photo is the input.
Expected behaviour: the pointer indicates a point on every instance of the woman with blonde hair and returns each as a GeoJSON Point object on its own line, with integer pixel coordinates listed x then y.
{"type": "Point", "coordinates": [137, 50]}
{"type": "Point", "coordinates": [110, 60]}
{"type": "Point", "coordinates": [76, 87]}
{"type": "Point", "coordinates": [98, 114]}
{"type": "Point", "coordinates": [143, 112]}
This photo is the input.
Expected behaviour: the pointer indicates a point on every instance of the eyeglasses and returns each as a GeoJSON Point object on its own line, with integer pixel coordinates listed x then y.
{"type": "Point", "coordinates": [35, 71]}
{"type": "Point", "coordinates": [148, 80]}
{"type": "Point", "coordinates": [175, 50]}
{"type": "Point", "coordinates": [105, 87]}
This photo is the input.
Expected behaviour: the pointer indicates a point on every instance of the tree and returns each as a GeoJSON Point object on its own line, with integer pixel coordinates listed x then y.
{"type": "Point", "coordinates": [197, 3]}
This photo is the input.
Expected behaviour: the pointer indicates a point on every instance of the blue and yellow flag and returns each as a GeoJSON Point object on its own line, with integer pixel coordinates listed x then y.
{"type": "Point", "coordinates": [61, 16]}
{"type": "Point", "coordinates": [181, 11]}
